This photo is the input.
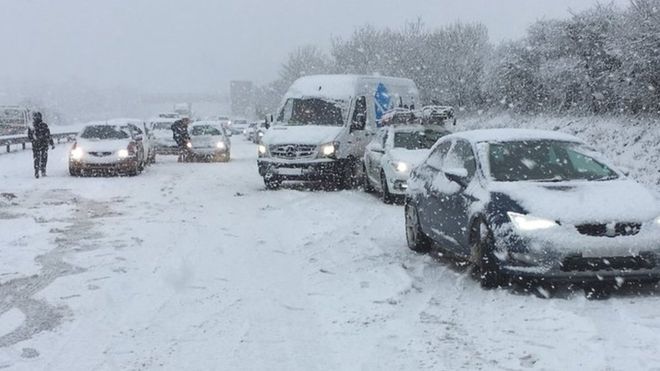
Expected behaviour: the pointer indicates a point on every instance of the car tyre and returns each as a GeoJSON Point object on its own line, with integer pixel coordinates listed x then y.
{"type": "Point", "coordinates": [417, 240]}
{"type": "Point", "coordinates": [486, 265]}
{"type": "Point", "coordinates": [74, 172]}
{"type": "Point", "coordinates": [272, 182]}
{"type": "Point", "coordinates": [385, 194]}
{"type": "Point", "coordinates": [366, 183]}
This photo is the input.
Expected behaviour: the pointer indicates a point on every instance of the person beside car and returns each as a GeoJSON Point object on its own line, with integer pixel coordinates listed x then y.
{"type": "Point", "coordinates": [181, 137]}
{"type": "Point", "coordinates": [39, 135]}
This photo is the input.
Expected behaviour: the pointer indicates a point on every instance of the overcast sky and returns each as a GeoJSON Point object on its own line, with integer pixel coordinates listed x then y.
{"type": "Point", "coordinates": [199, 45]}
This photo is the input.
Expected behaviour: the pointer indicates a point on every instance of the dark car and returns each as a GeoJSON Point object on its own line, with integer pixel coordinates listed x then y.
{"type": "Point", "coordinates": [532, 206]}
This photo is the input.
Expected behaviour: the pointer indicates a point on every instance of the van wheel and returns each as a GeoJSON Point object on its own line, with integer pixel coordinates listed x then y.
{"type": "Point", "coordinates": [272, 182]}
{"type": "Point", "coordinates": [385, 194]}
{"type": "Point", "coordinates": [486, 266]}
{"type": "Point", "coordinates": [417, 240]}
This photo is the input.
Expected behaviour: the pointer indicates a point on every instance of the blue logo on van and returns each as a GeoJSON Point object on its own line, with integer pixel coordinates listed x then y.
{"type": "Point", "coordinates": [381, 101]}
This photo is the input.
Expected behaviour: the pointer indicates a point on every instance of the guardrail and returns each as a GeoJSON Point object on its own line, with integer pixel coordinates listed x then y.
{"type": "Point", "coordinates": [22, 141]}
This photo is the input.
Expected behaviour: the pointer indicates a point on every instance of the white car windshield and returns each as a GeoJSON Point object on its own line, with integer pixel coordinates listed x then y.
{"type": "Point", "coordinates": [103, 132]}
{"type": "Point", "coordinates": [413, 140]}
{"type": "Point", "coordinates": [545, 160]}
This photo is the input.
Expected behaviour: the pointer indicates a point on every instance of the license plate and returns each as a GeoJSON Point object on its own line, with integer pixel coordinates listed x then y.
{"type": "Point", "coordinates": [289, 171]}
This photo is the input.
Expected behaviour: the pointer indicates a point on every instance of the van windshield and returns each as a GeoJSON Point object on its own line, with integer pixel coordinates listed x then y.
{"type": "Point", "coordinates": [311, 111]}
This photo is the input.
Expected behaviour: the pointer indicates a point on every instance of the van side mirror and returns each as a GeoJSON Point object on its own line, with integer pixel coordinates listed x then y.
{"type": "Point", "coordinates": [360, 122]}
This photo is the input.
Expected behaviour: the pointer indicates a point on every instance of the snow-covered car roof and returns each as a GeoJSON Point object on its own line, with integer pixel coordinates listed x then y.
{"type": "Point", "coordinates": [337, 87]}
{"type": "Point", "coordinates": [437, 111]}
{"type": "Point", "coordinates": [207, 122]}
{"type": "Point", "coordinates": [511, 135]}
{"type": "Point", "coordinates": [116, 122]}
{"type": "Point", "coordinates": [162, 119]}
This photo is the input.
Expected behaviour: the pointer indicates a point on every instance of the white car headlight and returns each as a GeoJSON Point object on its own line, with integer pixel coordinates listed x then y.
{"type": "Point", "coordinates": [77, 153]}
{"type": "Point", "coordinates": [327, 149]}
{"type": "Point", "coordinates": [524, 222]}
{"type": "Point", "coordinates": [400, 166]}
{"type": "Point", "coordinates": [221, 145]}
{"type": "Point", "coordinates": [189, 144]}
{"type": "Point", "coordinates": [261, 149]}
{"type": "Point", "coordinates": [122, 153]}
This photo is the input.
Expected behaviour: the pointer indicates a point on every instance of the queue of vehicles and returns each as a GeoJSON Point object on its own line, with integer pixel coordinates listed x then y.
{"type": "Point", "coordinates": [526, 206]}
{"type": "Point", "coordinates": [529, 206]}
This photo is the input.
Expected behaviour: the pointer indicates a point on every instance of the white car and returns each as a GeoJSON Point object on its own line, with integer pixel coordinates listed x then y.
{"type": "Point", "coordinates": [208, 142]}
{"type": "Point", "coordinates": [161, 130]}
{"type": "Point", "coordinates": [106, 148]}
{"type": "Point", "coordinates": [141, 132]}
{"type": "Point", "coordinates": [393, 153]}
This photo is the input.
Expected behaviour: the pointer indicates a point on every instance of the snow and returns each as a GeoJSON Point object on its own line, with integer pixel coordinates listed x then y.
{"type": "Point", "coordinates": [504, 135]}
{"type": "Point", "coordinates": [341, 87]}
{"type": "Point", "coordinates": [196, 266]}
{"type": "Point", "coordinates": [582, 202]}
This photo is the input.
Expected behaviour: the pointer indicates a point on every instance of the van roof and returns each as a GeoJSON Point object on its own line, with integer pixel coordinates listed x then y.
{"type": "Point", "coordinates": [342, 87]}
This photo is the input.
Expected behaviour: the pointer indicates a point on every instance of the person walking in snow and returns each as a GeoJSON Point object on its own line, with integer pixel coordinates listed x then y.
{"type": "Point", "coordinates": [39, 135]}
{"type": "Point", "coordinates": [181, 137]}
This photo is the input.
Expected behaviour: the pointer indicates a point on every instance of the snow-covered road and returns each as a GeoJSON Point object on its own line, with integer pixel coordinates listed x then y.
{"type": "Point", "coordinates": [197, 267]}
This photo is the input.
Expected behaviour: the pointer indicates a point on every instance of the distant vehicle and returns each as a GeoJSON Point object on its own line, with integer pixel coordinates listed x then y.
{"type": "Point", "coordinates": [400, 116]}
{"type": "Point", "coordinates": [208, 142]}
{"type": "Point", "coordinates": [169, 115]}
{"type": "Point", "coordinates": [324, 125]}
{"type": "Point", "coordinates": [103, 148]}
{"type": "Point", "coordinates": [161, 129]}
{"type": "Point", "coordinates": [259, 133]}
{"type": "Point", "coordinates": [533, 206]}
{"type": "Point", "coordinates": [250, 131]}
{"type": "Point", "coordinates": [437, 115]}
{"type": "Point", "coordinates": [393, 153]}
{"type": "Point", "coordinates": [238, 126]}
{"type": "Point", "coordinates": [14, 120]}
{"type": "Point", "coordinates": [183, 110]}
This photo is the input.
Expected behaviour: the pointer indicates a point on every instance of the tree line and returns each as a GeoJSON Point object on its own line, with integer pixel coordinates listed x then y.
{"type": "Point", "coordinates": [602, 60]}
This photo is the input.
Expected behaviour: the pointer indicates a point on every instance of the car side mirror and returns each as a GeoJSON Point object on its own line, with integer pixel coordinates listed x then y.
{"type": "Point", "coordinates": [377, 148]}
{"type": "Point", "coordinates": [457, 175]}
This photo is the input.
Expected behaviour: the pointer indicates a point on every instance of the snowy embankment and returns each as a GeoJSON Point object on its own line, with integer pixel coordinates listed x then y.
{"type": "Point", "coordinates": [632, 144]}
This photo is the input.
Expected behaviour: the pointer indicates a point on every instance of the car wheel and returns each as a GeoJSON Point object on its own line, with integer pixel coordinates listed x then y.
{"type": "Point", "coordinates": [73, 171]}
{"type": "Point", "coordinates": [272, 182]}
{"type": "Point", "coordinates": [366, 183]}
{"type": "Point", "coordinates": [385, 194]}
{"type": "Point", "coordinates": [486, 265]}
{"type": "Point", "coordinates": [417, 240]}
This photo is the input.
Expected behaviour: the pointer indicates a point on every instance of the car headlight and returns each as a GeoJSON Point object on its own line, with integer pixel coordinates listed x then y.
{"type": "Point", "coordinates": [400, 166]}
{"type": "Point", "coordinates": [261, 149]}
{"type": "Point", "coordinates": [328, 149]}
{"type": "Point", "coordinates": [221, 145]}
{"type": "Point", "coordinates": [261, 133]}
{"type": "Point", "coordinates": [77, 153]}
{"type": "Point", "coordinates": [530, 223]}
{"type": "Point", "coordinates": [189, 144]}
{"type": "Point", "coordinates": [122, 153]}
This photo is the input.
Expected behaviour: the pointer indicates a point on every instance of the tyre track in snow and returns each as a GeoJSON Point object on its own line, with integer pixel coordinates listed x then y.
{"type": "Point", "coordinates": [79, 235]}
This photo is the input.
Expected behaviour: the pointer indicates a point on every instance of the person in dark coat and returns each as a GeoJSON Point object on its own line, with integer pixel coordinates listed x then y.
{"type": "Point", "coordinates": [39, 135]}
{"type": "Point", "coordinates": [181, 137]}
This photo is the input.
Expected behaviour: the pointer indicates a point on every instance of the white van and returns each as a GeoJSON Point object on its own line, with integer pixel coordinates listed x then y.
{"type": "Point", "coordinates": [324, 124]}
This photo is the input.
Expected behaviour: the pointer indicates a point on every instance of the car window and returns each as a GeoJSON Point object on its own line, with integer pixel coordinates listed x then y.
{"type": "Point", "coordinates": [360, 108]}
{"type": "Point", "coordinates": [436, 158]}
{"type": "Point", "coordinates": [461, 156]}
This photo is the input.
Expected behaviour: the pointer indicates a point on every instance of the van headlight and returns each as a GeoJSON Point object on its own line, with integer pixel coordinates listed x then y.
{"type": "Point", "coordinates": [221, 145]}
{"type": "Point", "coordinates": [526, 223]}
{"type": "Point", "coordinates": [77, 154]}
{"type": "Point", "coordinates": [261, 150]}
{"type": "Point", "coordinates": [328, 149]}
{"type": "Point", "coordinates": [400, 166]}
{"type": "Point", "coordinates": [123, 153]}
